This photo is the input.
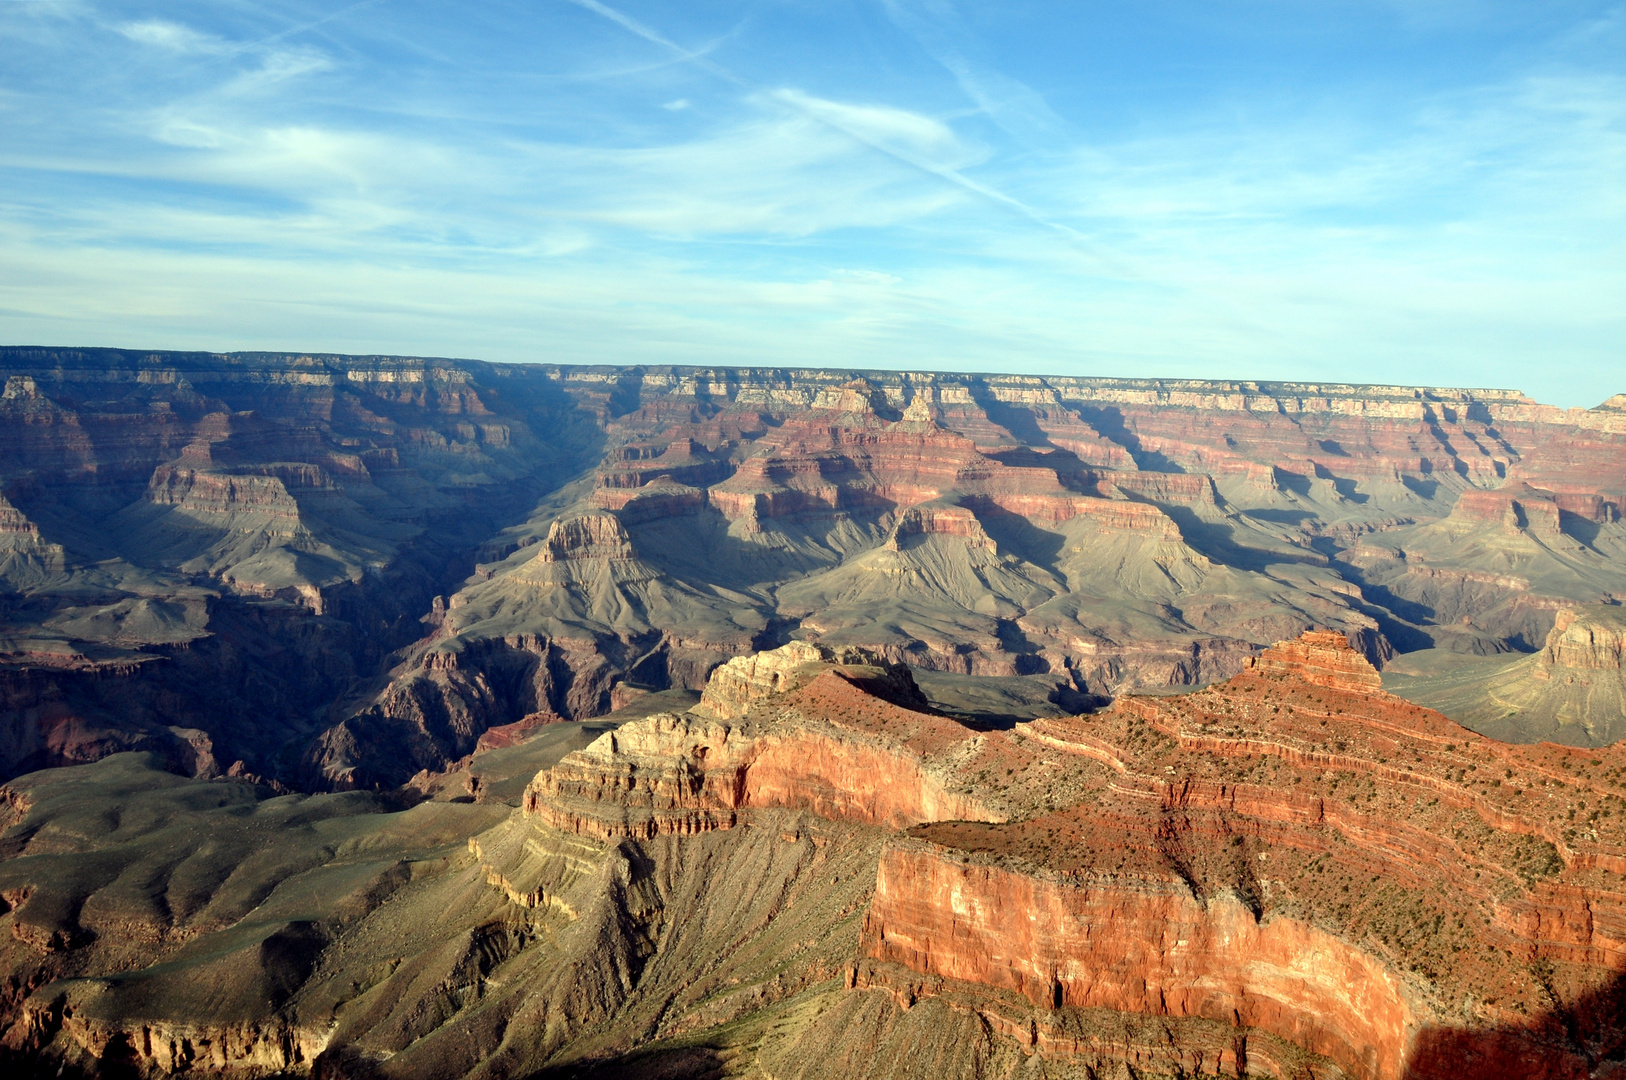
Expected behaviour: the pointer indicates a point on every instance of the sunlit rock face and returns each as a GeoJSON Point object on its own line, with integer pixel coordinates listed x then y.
{"type": "Point", "coordinates": [679, 721]}
{"type": "Point", "coordinates": [345, 570]}
{"type": "Point", "coordinates": [1294, 853]}
{"type": "Point", "coordinates": [1322, 658]}
{"type": "Point", "coordinates": [1297, 852]}
{"type": "Point", "coordinates": [1572, 690]}
{"type": "Point", "coordinates": [1287, 873]}
{"type": "Point", "coordinates": [752, 742]}
{"type": "Point", "coordinates": [1587, 640]}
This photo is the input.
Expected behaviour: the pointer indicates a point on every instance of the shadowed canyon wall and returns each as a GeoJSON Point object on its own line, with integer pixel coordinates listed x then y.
{"type": "Point", "coordinates": [339, 571]}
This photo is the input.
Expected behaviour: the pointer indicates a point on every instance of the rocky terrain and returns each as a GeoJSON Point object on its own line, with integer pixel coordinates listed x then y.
{"type": "Point", "coordinates": [401, 717]}
{"type": "Point", "coordinates": [1573, 690]}
{"type": "Point", "coordinates": [335, 572]}
{"type": "Point", "coordinates": [204, 557]}
{"type": "Point", "coordinates": [1290, 873]}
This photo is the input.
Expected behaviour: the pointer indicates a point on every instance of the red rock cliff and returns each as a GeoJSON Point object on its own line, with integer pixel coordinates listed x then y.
{"type": "Point", "coordinates": [1138, 946]}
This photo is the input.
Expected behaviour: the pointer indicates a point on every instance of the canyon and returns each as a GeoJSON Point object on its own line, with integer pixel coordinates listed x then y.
{"type": "Point", "coordinates": [393, 716]}
{"type": "Point", "coordinates": [430, 549]}
{"type": "Point", "coordinates": [1570, 691]}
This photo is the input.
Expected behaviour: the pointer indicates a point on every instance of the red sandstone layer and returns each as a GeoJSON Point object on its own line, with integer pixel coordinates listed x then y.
{"type": "Point", "coordinates": [1138, 946]}
{"type": "Point", "coordinates": [1294, 852]}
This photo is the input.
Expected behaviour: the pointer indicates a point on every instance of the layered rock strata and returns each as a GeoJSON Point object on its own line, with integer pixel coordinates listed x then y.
{"type": "Point", "coordinates": [818, 739]}
{"type": "Point", "coordinates": [1572, 691]}
{"type": "Point", "coordinates": [1117, 533]}
{"type": "Point", "coordinates": [1293, 852]}
{"type": "Point", "coordinates": [1288, 873]}
{"type": "Point", "coordinates": [234, 545]}
{"type": "Point", "coordinates": [1319, 657]}
{"type": "Point", "coordinates": [1299, 853]}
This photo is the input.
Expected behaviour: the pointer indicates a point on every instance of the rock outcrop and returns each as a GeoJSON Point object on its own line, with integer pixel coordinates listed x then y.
{"type": "Point", "coordinates": [1572, 691]}
{"type": "Point", "coordinates": [222, 577]}
{"type": "Point", "coordinates": [593, 536]}
{"type": "Point", "coordinates": [738, 686]}
{"type": "Point", "coordinates": [1145, 948]}
{"type": "Point", "coordinates": [632, 529]}
{"type": "Point", "coordinates": [234, 545]}
{"type": "Point", "coordinates": [1326, 863]}
{"type": "Point", "coordinates": [1588, 640]}
{"type": "Point", "coordinates": [1322, 658]}
{"type": "Point", "coordinates": [798, 728]}
{"type": "Point", "coordinates": [1288, 873]}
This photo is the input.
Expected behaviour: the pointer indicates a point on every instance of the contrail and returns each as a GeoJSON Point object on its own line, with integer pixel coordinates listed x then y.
{"type": "Point", "coordinates": [628, 23]}
{"type": "Point", "coordinates": [292, 30]}
{"type": "Point", "coordinates": [931, 168]}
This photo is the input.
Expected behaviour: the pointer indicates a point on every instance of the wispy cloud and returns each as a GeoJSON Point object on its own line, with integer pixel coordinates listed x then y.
{"type": "Point", "coordinates": [1016, 107]}
{"type": "Point", "coordinates": [175, 38]}
{"type": "Point", "coordinates": [857, 122]}
{"type": "Point", "coordinates": [898, 132]}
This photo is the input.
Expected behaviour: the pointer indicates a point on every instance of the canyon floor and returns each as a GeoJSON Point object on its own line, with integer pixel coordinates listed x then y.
{"type": "Point", "coordinates": [383, 716]}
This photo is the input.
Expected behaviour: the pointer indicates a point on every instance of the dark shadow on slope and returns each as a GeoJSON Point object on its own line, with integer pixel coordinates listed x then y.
{"type": "Point", "coordinates": [1408, 611]}
{"type": "Point", "coordinates": [1017, 535]}
{"type": "Point", "coordinates": [1297, 483]}
{"type": "Point", "coordinates": [1344, 487]}
{"type": "Point", "coordinates": [33, 1067]}
{"type": "Point", "coordinates": [1281, 517]}
{"type": "Point", "coordinates": [1110, 423]}
{"type": "Point", "coordinates": [654, 1063]}
{"type": "Point", "coordinates": [1000, 702]}
{"type": "Point", "coordinates": [1402, 621]}
{"type": "Point", "coordinates": [1070, 472]}
{"type": "Point", "coordinates": [1215, 542]}
{"type": "Point", "coordinates": [700, 548]}
{"type": "Point", "coordinates": [1020, 422]}
{"type": "Point", "coordinates": [1404, 636]}
{"type": "Point", "coordinates": [1578, 527]}
{"type": "Point", "coordinates": [626, 392]}
{"type": "Point", "coordinates": [1458, 466]}
{"type": "Point", "coordinates": [1419, 485]}
{"type": "Point", "coordinates": [1024, 654]}
{"type": "Point", "coordinates": [1582, 1038]}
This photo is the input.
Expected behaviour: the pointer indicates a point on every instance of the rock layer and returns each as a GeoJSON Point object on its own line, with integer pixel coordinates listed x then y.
{"type": "Point", "coordinates": [1288, 873]}
{"type": "Point", "coordinates": [1321, 658]}
{"type": "Point", "coordinates": [863, 759]}
{"type": "Point", "coordinates": [1143, 950]}
{"type": "Point", "coordinates": [1115, 533]}
{"type": "Point", "coordinates": [1572, 691]}
{"type": "Point", "coordinates": [1317, 860]}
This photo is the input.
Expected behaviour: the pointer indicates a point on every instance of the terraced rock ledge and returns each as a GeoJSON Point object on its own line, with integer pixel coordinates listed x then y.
{"type": "Point", "coordinates": [810, 873]}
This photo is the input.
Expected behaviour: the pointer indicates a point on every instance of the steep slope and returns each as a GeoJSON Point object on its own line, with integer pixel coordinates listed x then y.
{"type": "Point", "coordinates": [1495, 571]}
{"type": "Point", "coordinates": [937, 591]}
{"type": "Point", "coordinates": [1573, 691]}
{"type": "Point", "coordinates": [333, 568]}
{"type": "Point", "coordinates": [860, 523]}
{"type": "Point", "coordinates": [555, 639]}
{"type": "Point", "coordinates": [201, 555]}
{"type": "Point", "coordinates": [1291, 873]}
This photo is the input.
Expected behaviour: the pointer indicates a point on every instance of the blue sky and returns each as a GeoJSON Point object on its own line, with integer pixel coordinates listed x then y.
{"type": "Point", "coordinates": [1387, 191]}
